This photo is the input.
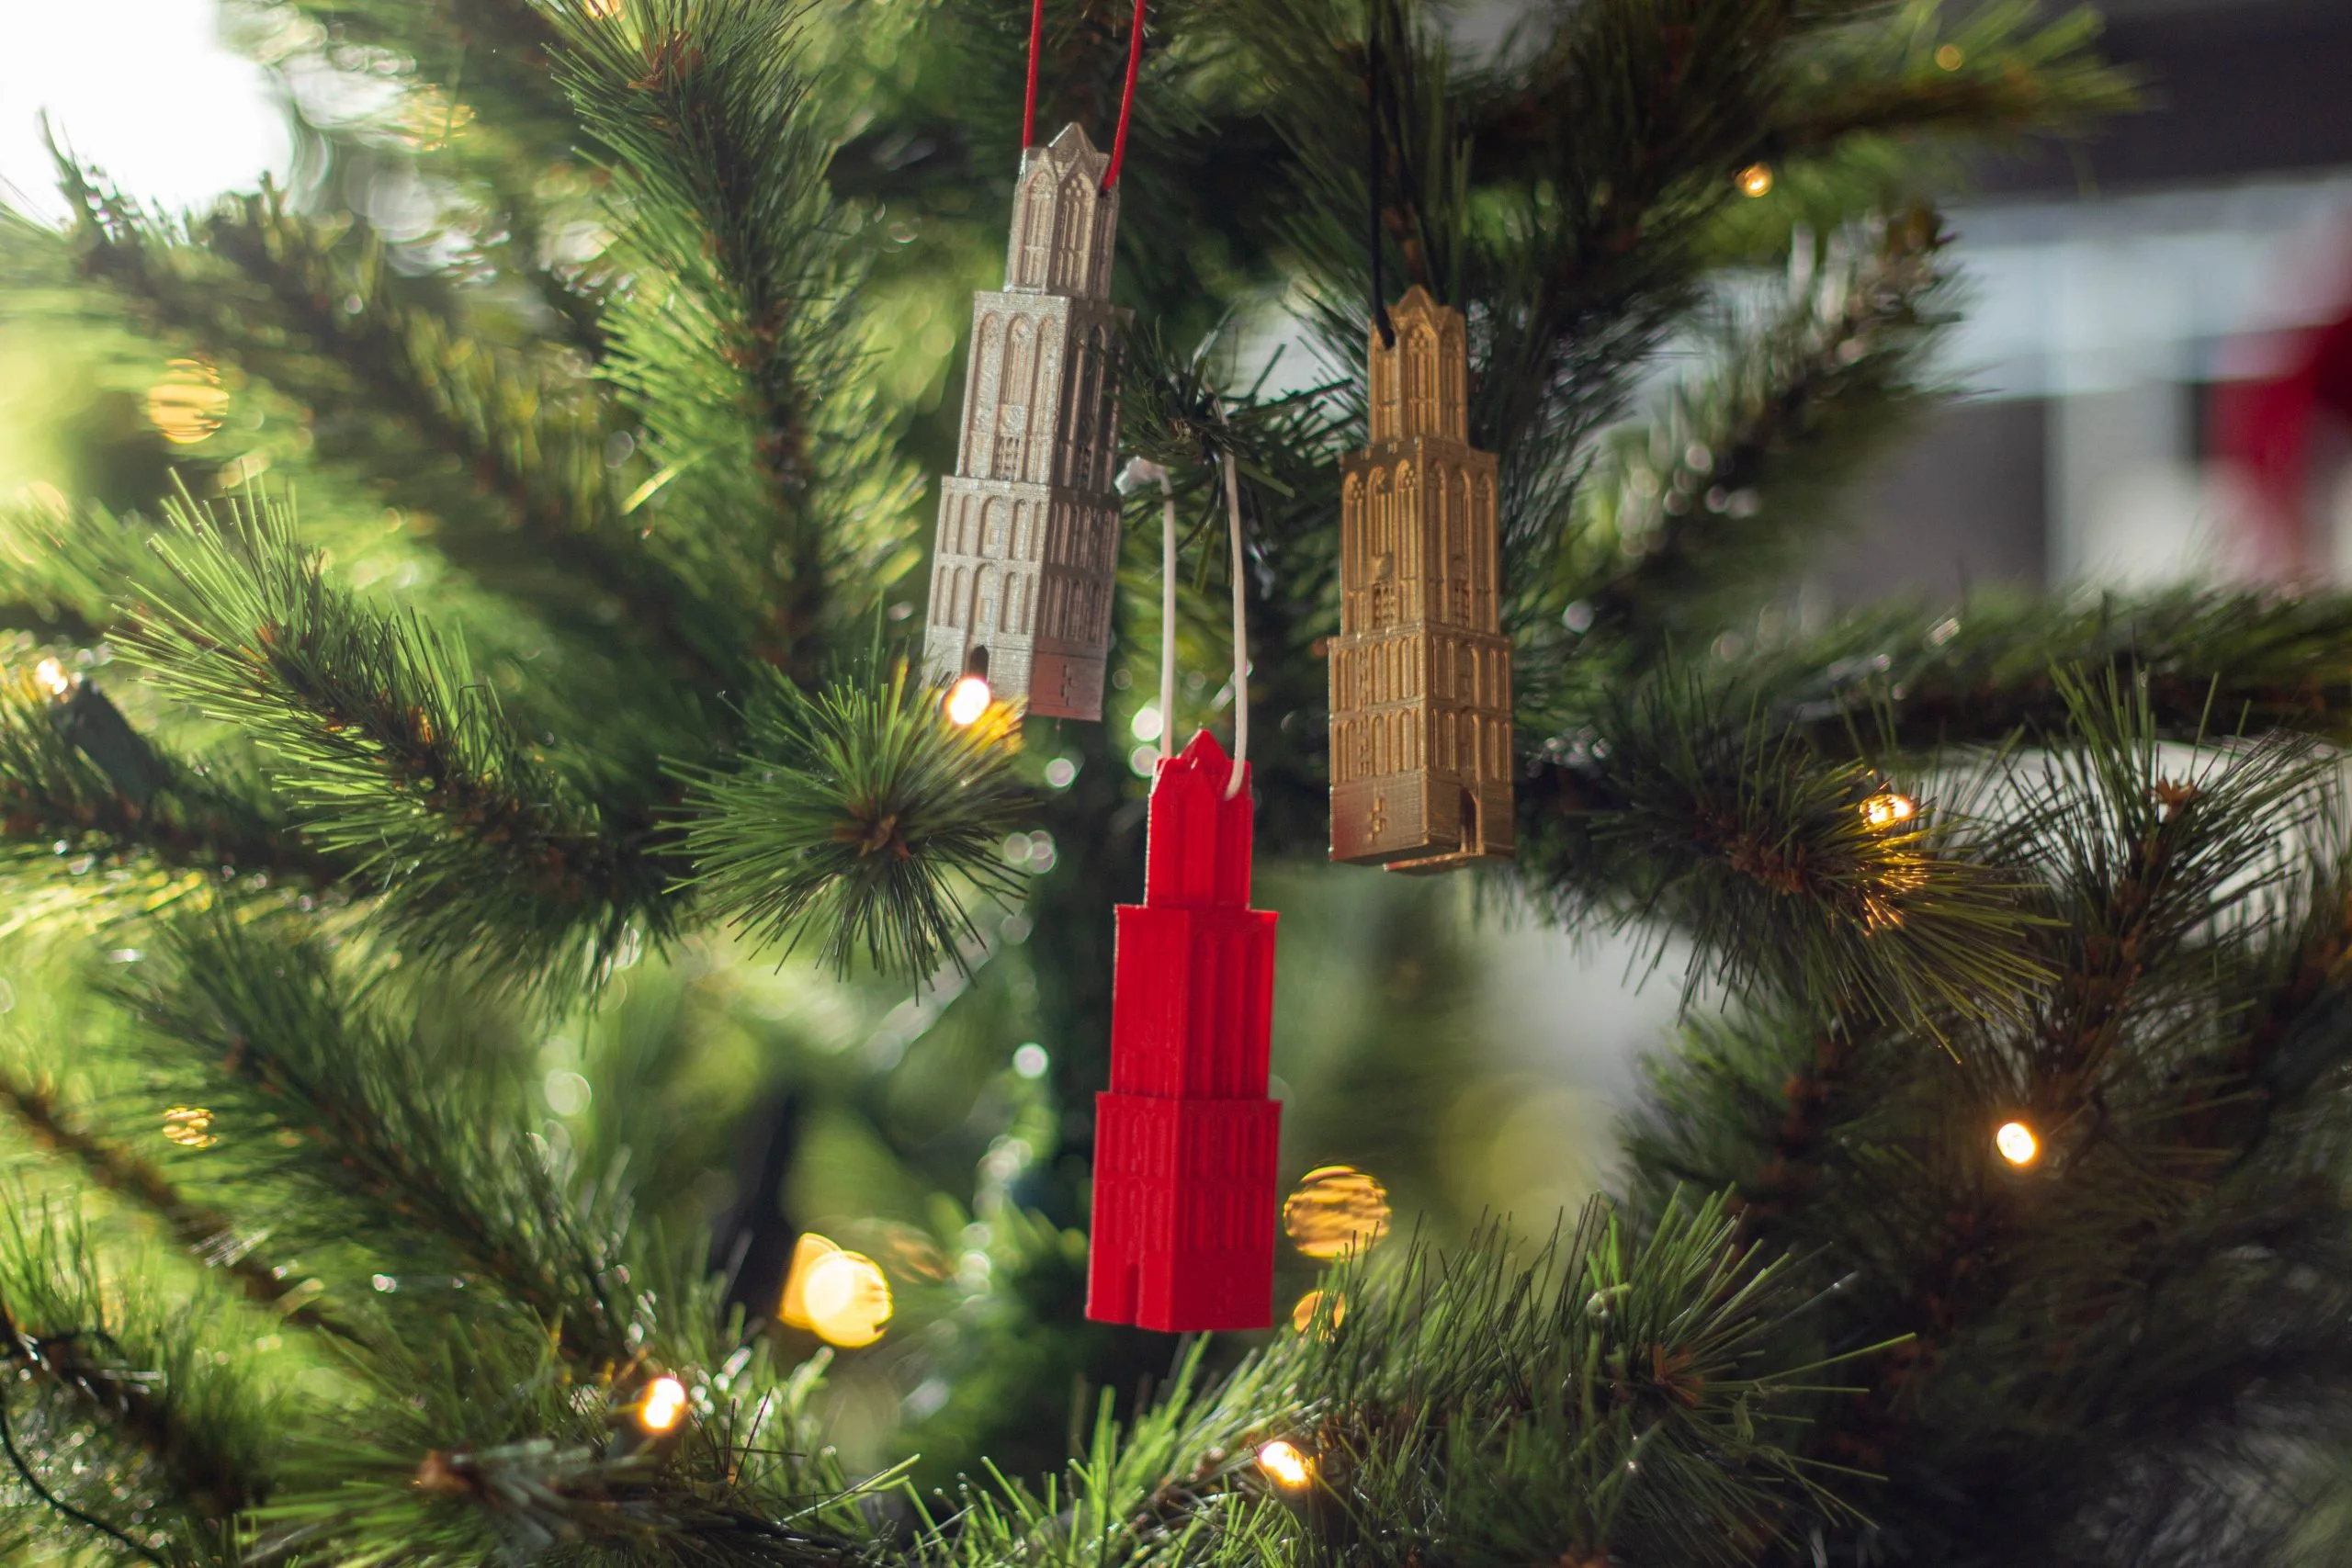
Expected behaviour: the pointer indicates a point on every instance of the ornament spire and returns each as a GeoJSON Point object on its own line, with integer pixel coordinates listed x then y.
{"type": "Point", "coordinates": [1022, 566]}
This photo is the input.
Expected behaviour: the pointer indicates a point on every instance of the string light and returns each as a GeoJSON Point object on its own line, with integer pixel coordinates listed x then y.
{"type": "Point", "coordinates": [1302, 1314]}
{"type": "Point", "coordinates": [190, 1126]}
{"type": "Point", "coordinates": [1889, 810]}
{"type": "Point", "coordinates": [188, 404]}
{"type": "Point", "coordinates": [842, 1297]}
{"type": "Point", "coordinates": [2016, 1143]}
{"type": "Point", "coordinates": [663, 1406]}
{"type": "Point", "coordinates": [1286, 1463]}
{"type": "Point", "coordinates": [1756, 180]}
{"type": "Point", "coordinates": [967, 700]}
{"type": "Point", "coordinates": [51, 676]}
{"type": "Point", "coordinates": [1952, 57]}
{"type": "Point", "coordinates": [1336, 1208]}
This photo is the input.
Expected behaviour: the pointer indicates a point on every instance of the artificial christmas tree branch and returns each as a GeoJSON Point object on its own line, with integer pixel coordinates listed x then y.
{"type": "Point", "coordinates": [737, 367]}
{"type": "Point", "coordinates": [1677, 811]}
{"type": "Point", "coordinates": [490, 427]}
{"type": "Point", "coordinates": [854, 814]}
{"type": "Point", "coordinates": [1900, 684]}
{"type": "Point", "coordinates": [415, 770]}
{"type": "Point", "coordinates": [171, 1429]}
{"type": "Point", "coordinates": [206, 1236]}
{"type": "Point", "coordinates": [60, 808]}
{"type": "Point", "coordinates": [278, 1039]}
{"type": "Point", "coordinates": [1803, 401]}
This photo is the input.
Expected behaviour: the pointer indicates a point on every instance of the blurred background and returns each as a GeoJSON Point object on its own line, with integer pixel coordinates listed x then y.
{"type": "Point", "coordinates": [2154, 382]}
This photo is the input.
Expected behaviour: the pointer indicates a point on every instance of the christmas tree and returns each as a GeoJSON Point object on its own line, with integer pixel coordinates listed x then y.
{"type": "Point", "coordinates": [479, 637]}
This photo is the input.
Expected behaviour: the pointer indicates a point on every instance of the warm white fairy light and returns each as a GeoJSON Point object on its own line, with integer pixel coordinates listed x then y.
{"type": "Point", "coordinates": [662, 1406]}
{"type": "Point", "coordinates": [1286, 1463]}
{"type": "Point", "coordinates": [51, 676]}
{"type": "Point", "coordinates": [1889, 810]}
{"type": "Point", "coordinates": [1756, 180]}
{"type": "Point", "coordinates": [2016, 1143]}
{"type": "Point", "coordinates": [967, 700]}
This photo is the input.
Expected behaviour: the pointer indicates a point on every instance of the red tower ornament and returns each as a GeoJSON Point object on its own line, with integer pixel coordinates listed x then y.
{"type": "Point", "coordinates": [1185, 1141]}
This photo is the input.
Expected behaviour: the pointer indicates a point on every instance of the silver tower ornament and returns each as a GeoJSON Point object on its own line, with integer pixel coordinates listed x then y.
{"type": "Point", "coordinates": [1024, 565]}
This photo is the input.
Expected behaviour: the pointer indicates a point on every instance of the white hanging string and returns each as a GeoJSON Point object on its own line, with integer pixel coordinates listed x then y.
{"type": "Point", "coordinates": [1240, 633]}
{"type": "Point", "coordinates": [1142, 471]}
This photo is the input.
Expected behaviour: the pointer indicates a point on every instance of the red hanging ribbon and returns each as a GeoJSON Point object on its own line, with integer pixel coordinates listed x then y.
{"type": "Point", "coordinates": [1029, 104]}
{"type": "Point", "coordinates": [1126, 99]}
{"type": "Point", "coordinates": [1127, 95]}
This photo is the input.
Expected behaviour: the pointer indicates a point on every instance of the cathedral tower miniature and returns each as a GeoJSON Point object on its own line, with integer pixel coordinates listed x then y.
{"type": "Point", "coordinates": [1420, 672]}
{"type": "Point", "coordinates": [1185, 1141]}
{"type": "Point", "coordinates": [1023, 567]}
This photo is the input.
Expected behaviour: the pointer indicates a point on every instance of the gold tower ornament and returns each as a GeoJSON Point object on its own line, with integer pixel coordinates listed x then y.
{"type": "Point", "coordinates": [1025, 559]}
{"type": "Point", "coordinates": [1422, 752]}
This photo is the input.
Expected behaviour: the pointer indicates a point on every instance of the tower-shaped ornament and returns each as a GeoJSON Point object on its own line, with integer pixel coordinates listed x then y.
{"type": "Point", "coordinates": [1185, 1141]}
{"type": "Point", "coordinates": [1024, 564]}
{"type": "Point", "coordinates": [1422, 753]}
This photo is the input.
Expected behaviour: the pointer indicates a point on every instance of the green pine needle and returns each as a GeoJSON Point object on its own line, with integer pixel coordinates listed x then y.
{"type": "Point", "coordinates": [863, 815]}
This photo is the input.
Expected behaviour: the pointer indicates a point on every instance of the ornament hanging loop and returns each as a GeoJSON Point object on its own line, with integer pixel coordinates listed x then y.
{"type": "Point", "coordinates": [1127, 94]}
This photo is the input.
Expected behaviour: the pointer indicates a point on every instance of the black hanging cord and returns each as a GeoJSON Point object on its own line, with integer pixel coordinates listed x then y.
{"type": "Point", "coordinates": [1372, 84]}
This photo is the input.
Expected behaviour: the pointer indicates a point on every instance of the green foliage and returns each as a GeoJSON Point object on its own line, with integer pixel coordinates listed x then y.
{"type": "Point", "coordinates": [1608, 1402]}
{"type": "Point", "coordinates": [2098, 1334]}
{"type": "Point", "coordinates": [400, 758]}
{"type": "Point", "coordinates": [855, 812]}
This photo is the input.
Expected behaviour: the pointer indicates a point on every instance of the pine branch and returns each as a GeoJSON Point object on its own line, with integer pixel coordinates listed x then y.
{"type": "Point", "coordinates": [1812, 877]}
{"type": "Point", "coordinates": [405, 761]}
{"type": "Point", "coordinates": [2086, 1325]}
{"type": "Point", "coordinates": [209, 1238]}
{"type": "Point", "coordinates": [739, 358]}
{"type": "Point", "coordinates": [2000, 74]}
{"type": "Point", "coordinates": [1700, 512]}
{"type": "Point", "coordinates": [2206, 662]}
{"type": "Point", "coordinates": [470, 427]}
{"type": "Point", "coordinates": [1609, 1402]}
{"type": "Point", "coordinates": [60, 806]}
{"type": "Point", "coordinates": [381, 1148]}
{"type": "Point", "coordinates": [180, 1426]}
{"type": "Point", "coordinates": [853, 815]}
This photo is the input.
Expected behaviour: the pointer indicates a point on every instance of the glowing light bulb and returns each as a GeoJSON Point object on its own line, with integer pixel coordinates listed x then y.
{"type": "Point", "coordinates": [967, 700]}
{"type": "Point", "coordinates": [51, 676]}
{"type": "Point", "coordinates": [2016, 1143]}
{"type": "Point", "coordinates": [1302, 1316]}
{"type": "Point", "coordinates": [848, 1300]}
{"type": "Point", "coordinates": [663, 1406]}
{"type": "Point", "coordinates": [189, 1126]}
{"type": "Point", "coordinates": [1336, 1208]}
{"type": "Point", "coordinates": [1756, 180]}
{"type": "Point", "coordinates": [1286, 1462]}
{"type": "Point", "coordinates": [188, 405]}
{"type": "Point", "coordinates": [1889, 810]}
{"type": "Point", "coordinates": [842, 1297]}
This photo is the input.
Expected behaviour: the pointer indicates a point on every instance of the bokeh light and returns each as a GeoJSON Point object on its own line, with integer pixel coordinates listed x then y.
{"type": "Point", "coordinates": [1286, 1462]}
{"type": "Point", "coordinates": [663, 1406]}
{"type": "Point", "coordinates": [967, 700]}
{"type": "Point", "coordinates": [1303, 1315]}
{"type": "Point", "coordinates": [189, 1126]}
{"type": "Point", "coordinates": [1889, 809]}
{"type": "Point", "coordinates": [51, 676]}
{"type": "Point", "coordinates": [2016, 1143]}
{"type": "Point", "coordinates": [1756, 180]}
{"type": "Point", "coordinates": [1335, 1209]}
{"type": "Point", "coordinates": [840, 1296]}
{"type": "Point", "coordinates": [188, 405]}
